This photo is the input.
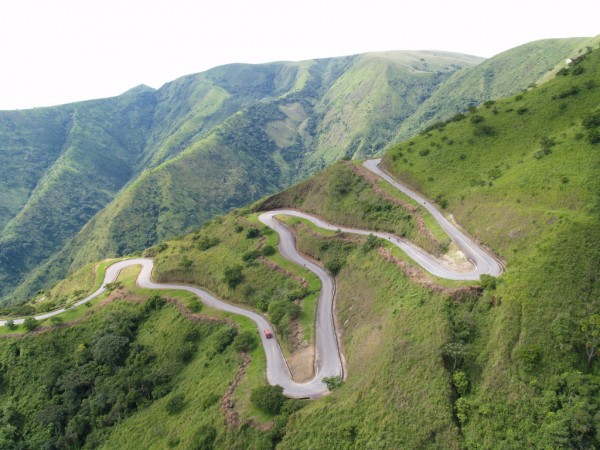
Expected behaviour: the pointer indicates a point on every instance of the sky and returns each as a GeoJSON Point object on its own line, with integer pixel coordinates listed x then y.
{"type": "Point", "coordinates": [60, 51]}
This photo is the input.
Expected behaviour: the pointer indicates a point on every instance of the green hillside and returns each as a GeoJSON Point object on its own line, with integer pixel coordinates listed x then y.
{"type": "Point", "coordinates": [215, 141]}
{"type": "Point", "coordinates": [505, 74]}
{"type": "Point", "coordinates": [117, 175]}
{"type": "Point", "coordinates": [521, 174]}
{"type": "Point", "coordinates": [62, 166]}
{"type": "Point", "coordinates": [428, 366]}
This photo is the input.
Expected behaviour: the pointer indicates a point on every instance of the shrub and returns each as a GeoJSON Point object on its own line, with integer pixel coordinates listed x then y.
{"type": "Point", "coordinates": [484, 130]}
{"type": "Point", "coordinates": [424, 152]}
{"type": "Point", "coordinates": [205, 242]}
{"type": "Point", "coordinates": [594, 136]}
{"type": "Point", "coordinates": [477, 119]}
{"type": "Point", "coordinates": [30, 323]}
{"type": "Point", "coordinates": [268, 250]}
{"type": "Point", "coordinates": [238, 228]}
{"type": "Point", "coordinates": [521, 111]}
{"type": "Point", "coordinates": [529, 355]}
{"type": "Point", "coordinates": [10, 324]}
{"type": "Point", "coordinates": [563, 328]}
{"type": "Point", "coordinates": [112, 286]}
{"type": "Point", "coordinates": [232, 275]}
{"type": "Point", "coordinates": [252, 233]}
{"type": "Point", "coordinates": [186, 262]}
{"type": "Point", "coordinates": [333, 383]}
{"type": "Point", "coordinates": [268, 398]}
{"type": "Point", "coordinates": [591, 120]}
{"type": "Point", "coordinates": [245, 341]}
{"type": "Point", "coordinates": [175, 404]}
{"type": "Point", "coordinates": [56, 320]}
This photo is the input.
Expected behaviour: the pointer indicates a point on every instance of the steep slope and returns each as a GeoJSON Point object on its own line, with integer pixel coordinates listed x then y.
{"type": "Point", "coordinates": [427, 366]}
{"type": "Point", "coordinates": [360, 113]}
{"type": "Point", "coordinates": [522, 174]}
{"type": "Point", "coordinates": [92, 153]}
{"type": "Point", "coordinates": [230, 135]}
{"type": "Point", "coordinates": [269, 125]}
{"type": "Point", "coordinates": [507, 73]}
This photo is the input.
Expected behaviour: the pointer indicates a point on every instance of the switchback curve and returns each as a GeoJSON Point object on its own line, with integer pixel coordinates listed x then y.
{"type": "Point", "coordinates": [328, 358]}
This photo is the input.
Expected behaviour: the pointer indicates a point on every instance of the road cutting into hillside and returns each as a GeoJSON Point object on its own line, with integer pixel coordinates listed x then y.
{"type": "Point", "coordinates": [328, 361]}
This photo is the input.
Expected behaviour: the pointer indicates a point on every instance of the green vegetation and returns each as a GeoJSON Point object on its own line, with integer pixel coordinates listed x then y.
{"type": "Point", "coordinates": [508, 73]}
{"type": "Point", "coordinates": [155, 164]}
{"type": "Point", "coordinates": [343, 197]}
{"type": "Point", "coordinates": [268, 398]}
{"type": "Point", "coordinates": [522, 357]}
{"type": "Point", "coordinates": [509, 363]}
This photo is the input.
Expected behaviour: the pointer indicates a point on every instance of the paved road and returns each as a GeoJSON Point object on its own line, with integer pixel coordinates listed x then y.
{"type": "Point", "coordinates": [483, 261]}
{"type": "Point", "coordinates": [328, 359]}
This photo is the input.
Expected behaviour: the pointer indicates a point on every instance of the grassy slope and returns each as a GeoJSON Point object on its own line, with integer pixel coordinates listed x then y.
{"type": "Point", "coordinates": [343, 197]}
{"type": "Point", "coordinates": [362, 110]}
{"type": "Point", "coordinates": [539, 210]}
{"type": "Point", "coordinates": [502, 75]}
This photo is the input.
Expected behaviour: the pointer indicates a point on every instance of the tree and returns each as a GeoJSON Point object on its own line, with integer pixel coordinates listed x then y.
{"type": "Point", "coordinates": [111, 349]}
{"type": "Point", "coordinates": [461, 382]}
{"type": "Point", "coordinates": [30, 323]}
{"type": "Point", "coordinates": [244, 342]}
{"type": "Point", "coordinates": [268, 250]}
{"type": "Point", "coordinates": [10, 324]}
{"type": "Point", "coordinates": [268, 398]}
{"type": "Point", "coordinates": [370, 243]}
{"type": "Point", "coordinates": [455, 351]}
{"type": "Point", "coordinates": [232, 275]}
{"type": "Point", "coordinates": [590, 327]}
{"type": "Point", "coordinates": [252, 233]}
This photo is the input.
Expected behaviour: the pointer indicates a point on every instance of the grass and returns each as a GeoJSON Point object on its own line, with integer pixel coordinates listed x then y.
{"type": "Point", "coordinates": [527, 186]}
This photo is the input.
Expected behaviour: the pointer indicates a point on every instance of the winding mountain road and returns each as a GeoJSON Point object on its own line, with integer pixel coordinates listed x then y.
{"type": "Point", "coordinates": [328, 358]}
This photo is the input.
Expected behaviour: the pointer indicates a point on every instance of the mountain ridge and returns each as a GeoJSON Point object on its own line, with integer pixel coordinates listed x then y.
{"type": "Point", "coordinates": [296, 117]}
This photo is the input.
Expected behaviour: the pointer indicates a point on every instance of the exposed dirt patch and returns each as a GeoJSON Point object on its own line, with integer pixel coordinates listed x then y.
{"type": "Point", "coordinates": [302, 363]}
{"type": "Point", "coordinates": [421, 279]}
{"type": "Point", "coordinates": [456, 260]}
{"type": "Point", "coordinates": [232, 418]}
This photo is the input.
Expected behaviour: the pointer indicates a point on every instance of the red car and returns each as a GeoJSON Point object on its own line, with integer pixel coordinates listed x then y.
{"type": "Point", "coordinates": [268, 334]}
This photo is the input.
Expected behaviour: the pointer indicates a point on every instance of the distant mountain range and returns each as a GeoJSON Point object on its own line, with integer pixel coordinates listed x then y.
{"type": "Point", "coordinates": [109, 177]}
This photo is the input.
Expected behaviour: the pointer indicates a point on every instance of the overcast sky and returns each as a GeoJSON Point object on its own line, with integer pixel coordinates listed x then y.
{"type": "Point", "coordinates": [59, 51]}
